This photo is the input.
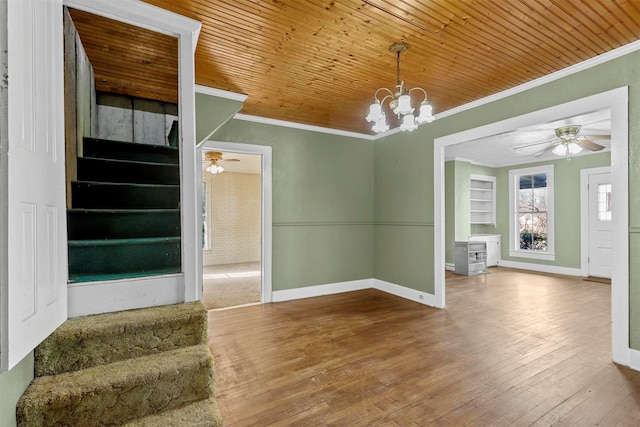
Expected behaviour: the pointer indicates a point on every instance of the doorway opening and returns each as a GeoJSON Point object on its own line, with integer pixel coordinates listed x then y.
{"type": "Point", "coordinates": [616, 101]}
{"type": "Point", "coordinates": [236, 224]}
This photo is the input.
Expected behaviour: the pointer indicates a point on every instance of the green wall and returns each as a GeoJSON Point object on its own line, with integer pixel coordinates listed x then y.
{"type": "Point", "coordinates": [566, 207]}
{"type": "Point", "coordinates": [322, 203]}
{"type": "Point", "coordinates": [404, 187]}
{"type": "Point", "coordinates": [211, 113]}
{"type": "Point", "coordinates": [566, 202]}
{"type": "Point", "coordinates": [12, 384]}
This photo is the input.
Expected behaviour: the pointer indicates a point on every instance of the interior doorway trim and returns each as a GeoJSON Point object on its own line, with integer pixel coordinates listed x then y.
{"type": "Point", "coordinates": [617, 101]}
{"type": "Point", "coordinates": [266, 207]}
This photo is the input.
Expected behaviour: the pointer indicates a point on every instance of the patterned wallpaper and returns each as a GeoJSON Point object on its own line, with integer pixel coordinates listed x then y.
{"type": "Point", "coordinates": [233, 217]}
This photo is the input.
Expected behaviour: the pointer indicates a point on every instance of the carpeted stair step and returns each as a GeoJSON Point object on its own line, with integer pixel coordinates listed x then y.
{"type": "Point", "coordinates": [122, 223]}
{"type": "Point", "coordinates": [121, 391]}
{"type": "Point", "coordinates": [85, 342]}
{"type": "Point", "coordinates": [91, 260]}
{"type": "Point", "coordinates": [106, 149]}
{"type": "Point", "coordinates": [102, 195]}
{"type": "Point", "coordinates": [204, 413]}
{"type": "Point", "coordinates": [109, 170]}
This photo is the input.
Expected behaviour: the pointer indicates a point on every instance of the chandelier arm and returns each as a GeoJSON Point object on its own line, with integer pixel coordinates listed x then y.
{"type": "Point", "coordinates": [424, 92]}
{"type": "Point", "coordinates": [375, 96]}
{"type": "Point", "coordinates": [387, 97]}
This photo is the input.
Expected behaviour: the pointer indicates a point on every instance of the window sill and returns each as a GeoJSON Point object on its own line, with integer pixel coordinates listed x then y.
{"type": "Point", "coordinates": [544, 256]}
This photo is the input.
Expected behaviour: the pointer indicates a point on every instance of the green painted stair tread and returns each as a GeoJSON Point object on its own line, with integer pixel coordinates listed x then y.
{"type": "Point", "coordinates": [86, 278]}
{"type": "Point", "coordinates": [110, 149]}
{"type": "Point", "coordinates": [103, 195]}
{"type": "Point", "coordinates": [121, 391]}
{"type": "Point", "coordinates": [122, 223]}
{"type": "Point", "coordinates": [128, 171]}
{"type": "Point", "coordinates": [123, 256]}
{"type": "Point", "coordinates": [122, 242]}
{"type": "Point", "coordinates": [204, 413]}
{"type": "Point", "coordinates": [88, 341]}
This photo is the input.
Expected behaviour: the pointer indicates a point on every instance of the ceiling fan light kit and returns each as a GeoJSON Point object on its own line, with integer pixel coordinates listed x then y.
{"type": "Point", "coordinates": [213, 158]}
{"type": "Point", "coordinates": [569, 142]}
{"type": "Point", "coordinates": [399, 101]}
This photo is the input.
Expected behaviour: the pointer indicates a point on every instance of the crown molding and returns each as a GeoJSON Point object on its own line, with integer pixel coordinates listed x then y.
{"type": "Point", "coordinates": [284, 123]}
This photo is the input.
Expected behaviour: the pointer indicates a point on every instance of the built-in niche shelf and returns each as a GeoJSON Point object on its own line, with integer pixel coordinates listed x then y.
{"type": "Point", "coordinates": [483, 199]}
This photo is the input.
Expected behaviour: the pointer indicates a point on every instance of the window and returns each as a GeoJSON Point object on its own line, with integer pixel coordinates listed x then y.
{"type": "Point", "coordinates": [604, 202]}
{"type": "Point", "coordinates": [531, 222]}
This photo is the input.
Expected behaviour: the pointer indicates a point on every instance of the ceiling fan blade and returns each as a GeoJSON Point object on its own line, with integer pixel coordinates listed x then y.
{"type": "Point", "coordinates": [596, 137]}
{"type": "Point", "coordinates": [521, 147]}
{"type": "Point", "coordinates": [548, 148]}
{"type": "Point", "coordinates": [589, 145]}
{"type": "Point", "coordinates": [229, 160]}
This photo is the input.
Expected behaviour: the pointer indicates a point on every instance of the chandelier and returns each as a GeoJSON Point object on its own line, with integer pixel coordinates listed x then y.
{"type": "Point", "coordinates": [399, 102]}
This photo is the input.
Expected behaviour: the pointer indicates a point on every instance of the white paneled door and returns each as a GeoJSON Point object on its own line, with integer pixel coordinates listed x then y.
{"type": "Point", "coordinates": [34, 288]}
{"type": "Point", "coordinates": [600, 230]}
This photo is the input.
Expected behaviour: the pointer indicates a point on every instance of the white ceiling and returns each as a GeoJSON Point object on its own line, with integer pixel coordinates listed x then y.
{"type": "Point", "coordinates": [519, 146]}
{"type": "Point", "coordinates": [248, 163]}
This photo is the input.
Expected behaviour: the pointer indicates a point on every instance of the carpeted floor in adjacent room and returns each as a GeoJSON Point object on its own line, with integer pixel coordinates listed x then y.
{"type": "Point", "coordinates": [231, 285]}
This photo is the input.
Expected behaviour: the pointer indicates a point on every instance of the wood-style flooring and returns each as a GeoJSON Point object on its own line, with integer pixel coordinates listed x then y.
{"type": "Point", "coordinates": [511, 348]}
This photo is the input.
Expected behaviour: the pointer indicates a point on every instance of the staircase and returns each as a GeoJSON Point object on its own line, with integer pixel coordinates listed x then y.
{"type": "Point", "coordinates": [144, 367]}
{"type": "Point", "coordinates": [125, 216]}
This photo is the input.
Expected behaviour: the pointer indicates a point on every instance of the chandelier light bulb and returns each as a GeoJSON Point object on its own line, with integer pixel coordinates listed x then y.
{"type": "Point", "coordinates": [426, 113]}
{"type": "Point", "coordinates": [408, 123]}
{"type": "Point", "coordinates": [381, 125]}
{"type": "Point", "coordinates": [375, 111]}
{"type": "Point", "coordinates": [404, 105]}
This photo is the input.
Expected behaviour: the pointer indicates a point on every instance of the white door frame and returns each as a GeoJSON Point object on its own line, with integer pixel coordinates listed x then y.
{"type": "Point", "coordinates": [584, 214]}
{"type": "Point", "coordinates": [617, 101]}
{"type": "Point", "coordinates": [266, 207]}
{"type": "Point", "coordinates": [97, 297]}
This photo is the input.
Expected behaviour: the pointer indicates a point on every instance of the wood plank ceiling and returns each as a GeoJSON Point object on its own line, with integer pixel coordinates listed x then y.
{"type": "Point", "coordinates": [319, 62]}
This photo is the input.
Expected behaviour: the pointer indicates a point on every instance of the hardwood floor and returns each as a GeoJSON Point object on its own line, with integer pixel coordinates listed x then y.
{"type": "Point", "coordinates": [511, 348]}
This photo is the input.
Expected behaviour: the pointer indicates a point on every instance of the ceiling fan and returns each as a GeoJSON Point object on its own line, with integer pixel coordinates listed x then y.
{"type": "Point", "coordinates": [212, 159]}
{"type": "Point", "coordinates": [569, 142]}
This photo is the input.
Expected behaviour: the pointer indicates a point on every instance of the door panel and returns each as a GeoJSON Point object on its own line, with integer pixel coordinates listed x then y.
{"type": "Point", "coordinates": [35, 288]}
{"type": "Point", "coordinates": [600, 230]}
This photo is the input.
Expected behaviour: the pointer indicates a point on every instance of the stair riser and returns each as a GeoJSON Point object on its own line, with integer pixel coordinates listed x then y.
{"type": "Point", "coordinates": [129, 151]}
{"type": "Point", "coordinates": [122, 196]}
{"type": "Point", "coordinates": [122, 225]}
{"type": "Point", "coordinates": [123, 258]}
{"type": "Point", "coordinates": [86, 342]}
{"type": "Point", "coordinates": [121, 399]}
{"type": "Point", "coordinates": [90, 169]}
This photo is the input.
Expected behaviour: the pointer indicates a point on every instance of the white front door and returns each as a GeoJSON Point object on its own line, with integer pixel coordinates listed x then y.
{"type": "Point", "coordinates": [34, 287]}
{"type": "Point", "coordinates": [600, 231]}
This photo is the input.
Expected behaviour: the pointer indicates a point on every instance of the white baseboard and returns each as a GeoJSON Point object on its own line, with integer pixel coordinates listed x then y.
{"type": "Point", "coordinates": [404, 292]}
{"type": "Point", "coordinates": [449, 266]}
{"type": "Point", "coordinates": [319, 290]}
{"type": "Point", "coordinates": [88, 298]}
{"type": "Point", "coordinates": [355, 285]}
{"type": "Point", "coordinates": [541, 268]}
{"type": "Point", "coordinates": [634, 360]}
